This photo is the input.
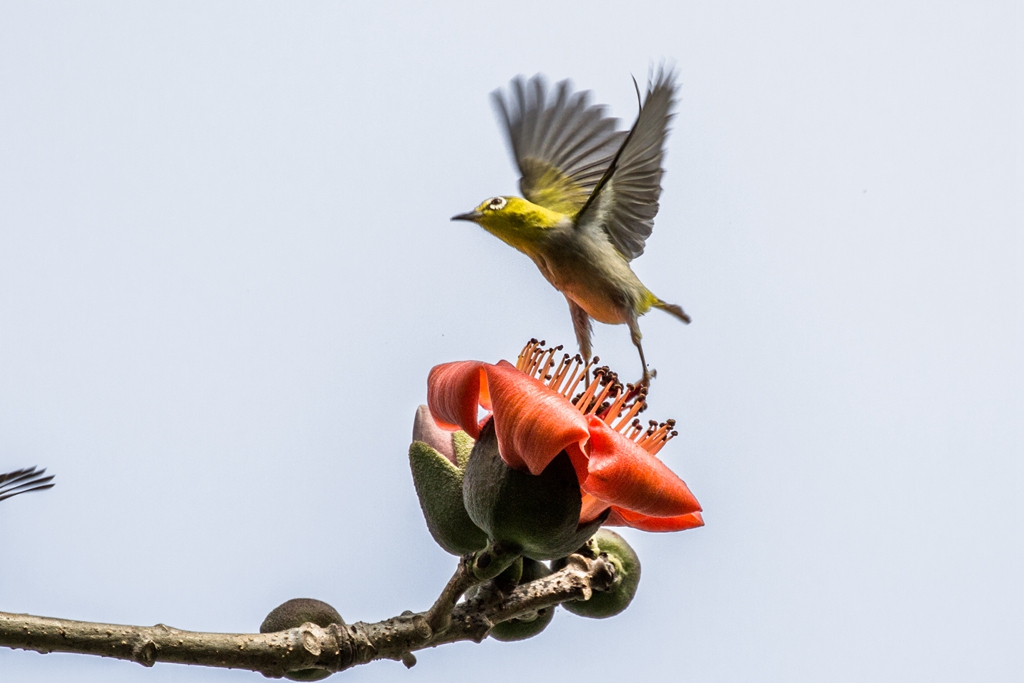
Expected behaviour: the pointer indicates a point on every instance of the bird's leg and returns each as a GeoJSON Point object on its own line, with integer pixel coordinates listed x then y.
{"type": "Point", "coordinates": [582, 326]}
{"type": "Point", "coordinates": [634, 332]}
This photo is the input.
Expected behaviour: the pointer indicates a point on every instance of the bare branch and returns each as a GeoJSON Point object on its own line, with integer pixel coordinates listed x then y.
{"type": "Point", "coordinates": [334, 648]}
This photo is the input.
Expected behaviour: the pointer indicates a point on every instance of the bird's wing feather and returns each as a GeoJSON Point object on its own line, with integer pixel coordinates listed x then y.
{"type": "Point", "coordinates": [625, 201]}
{"type": "Point", "coordinates": [561, 143]}
{"type": "Point", "coordinates": [23, 481]}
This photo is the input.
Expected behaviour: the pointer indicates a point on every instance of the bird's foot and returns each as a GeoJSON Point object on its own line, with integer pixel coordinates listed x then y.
{"type": "Point", "coordinates": [648, 375]}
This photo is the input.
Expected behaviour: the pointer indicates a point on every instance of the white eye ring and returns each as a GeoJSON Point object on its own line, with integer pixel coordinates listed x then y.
{"type": "Point", "coordinates": [497, 204]}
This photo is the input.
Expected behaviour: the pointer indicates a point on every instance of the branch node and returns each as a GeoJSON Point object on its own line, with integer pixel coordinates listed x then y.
{"type": "Point", "coordinates": [310, 641]}
{"type": "Point", "coordinates": [360, 645]}
{"type": "Point", "coordinates": [603, 573]}
{"type": "Point", "coordinates": [144, 651]}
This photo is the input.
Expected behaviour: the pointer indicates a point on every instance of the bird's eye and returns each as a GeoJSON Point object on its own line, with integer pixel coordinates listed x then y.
{"type": "Point", "coordinates": [497, 204]}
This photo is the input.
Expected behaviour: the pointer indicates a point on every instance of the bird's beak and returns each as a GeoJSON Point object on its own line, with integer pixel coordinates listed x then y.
{"type": "Point", "coordinates": [472, 216]}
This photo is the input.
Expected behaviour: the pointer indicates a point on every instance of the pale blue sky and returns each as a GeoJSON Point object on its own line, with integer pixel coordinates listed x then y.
{"type": "Point", "coordinates": [226, 267]}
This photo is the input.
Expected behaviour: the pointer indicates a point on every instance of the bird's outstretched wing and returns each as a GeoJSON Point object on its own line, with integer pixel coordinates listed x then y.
{"type": "Point", "coordinates": [23, 481]}
{"type": "Point", "coordinates": [561, 143]}
{"type": "Point", "coordinates": [625, 200]}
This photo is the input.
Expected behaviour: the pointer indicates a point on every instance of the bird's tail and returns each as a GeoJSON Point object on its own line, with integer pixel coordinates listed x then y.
{"type": "Point", "coordinates": [673, 309]}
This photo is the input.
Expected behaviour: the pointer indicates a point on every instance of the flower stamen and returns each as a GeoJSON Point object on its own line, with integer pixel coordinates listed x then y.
{"type": "Point", "coordinates": [635, 429]}
{"type": "Point", "coordinates": [528, 355]}
{"type": "Point", "coordinates": [536, 361]}
{"type": "Point", "coordinates": [639, 403]}
{"type": "Point", "coordinates": [657, 435]}
{"type": "Point", "coordinates": [561, 371]}
{"type": "Point", "coordinates": [582, 402]}
{"type": "Point", "coordinates": [550, 363]}
{"type": "Point", "coordinates": [603, 395]}
{"type": "Point", "coordinates": [580, 373]}
{"type": "Point", "coordinates": [615, 409]}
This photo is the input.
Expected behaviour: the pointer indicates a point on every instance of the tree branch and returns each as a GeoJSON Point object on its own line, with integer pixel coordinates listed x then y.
{"type": "Point", "coordinates": [334, 648]}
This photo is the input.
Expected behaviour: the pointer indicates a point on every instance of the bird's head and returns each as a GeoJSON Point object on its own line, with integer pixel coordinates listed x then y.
{"type": "Point", "coordinates": [514, 220]}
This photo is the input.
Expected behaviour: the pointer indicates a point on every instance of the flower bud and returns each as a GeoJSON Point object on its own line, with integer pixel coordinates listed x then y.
{"type": "Point", "coordinates": [297, 612]}
{"type": "Point", "coordinates": [607, 603]}
{"type": "Point", "coordinates": [538, 515]}
{"type": "Point", "coordinates": [530, 625]}
{"type": "Point", "coordinates": [505, 582]}
{"type": "Point", "coordinates": [438, 483]}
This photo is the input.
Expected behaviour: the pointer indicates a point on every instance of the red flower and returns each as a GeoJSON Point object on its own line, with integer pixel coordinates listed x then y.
{"type": "Point", "coordinates": [534, 419]}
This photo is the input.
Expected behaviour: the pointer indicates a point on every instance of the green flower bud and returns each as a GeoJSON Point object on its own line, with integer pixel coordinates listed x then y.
{"type": "Point", "coordinates": [607, 603]}
{"type": "Point", "coordinates": [438, 485]}
{"type": "Point", "coordinates": [538, 515]}
{"type": "Point", "coordinates": [295, 613]}
{"type": "Point", "coordinates": [300, 611]}
{"type": "Point", "coordinates": [512, 576]}
{"type": "Point", "coordinates": [529, 625]}
{"type": "Point", "coordinates": [506, 581]}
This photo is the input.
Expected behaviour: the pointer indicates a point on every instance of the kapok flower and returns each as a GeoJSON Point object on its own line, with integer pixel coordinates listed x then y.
{"type": "Point", "coordinates": [538, 413]}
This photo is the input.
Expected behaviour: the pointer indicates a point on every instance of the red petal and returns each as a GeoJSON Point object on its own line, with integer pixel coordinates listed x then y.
{"type": "Point", "coordinates": [579, 459]}
{"type": "Point", "coordinates": [627, 476]}
{"type": "Point", "coordinates": [454, 393]}
{"type": "Point", "coordinates": [533, 423]}
{"type": "Point", "coordinates": [592, 508]}
{"type": "Point", "coordinates": [619, 517]}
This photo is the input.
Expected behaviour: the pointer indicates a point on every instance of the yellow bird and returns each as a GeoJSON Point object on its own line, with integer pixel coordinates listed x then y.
{"type": "Point", "coordinates": [591, 194]}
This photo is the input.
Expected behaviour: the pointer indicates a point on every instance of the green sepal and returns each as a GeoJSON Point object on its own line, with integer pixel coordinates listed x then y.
{"type": "Point", "coordinates": [463, 444]}
{"type": "Point", "coordinates": [439, 487]}
{"type": "Point", "coordinates": [506, 581]}
{"type": "Point", "coordinates": [607, 603]}
{"type": "Point", "coordinates": [539, 515]}
{"type": "Point", "coordinates": [297, 612]}
{"type": "Point", "coordinates": [493, 561]}
{"type": "Point", "coordinates": [512, 576]}
{"type": "Point", "coordinates": [529, 625]}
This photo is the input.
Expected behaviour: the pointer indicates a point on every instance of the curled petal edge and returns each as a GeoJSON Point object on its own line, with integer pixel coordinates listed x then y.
{"type": "Point", "coordinates": [624, 475]}
{"type": "Point", "coordinates": [533, 423]}
{"type": "Point", "coordinates": [454, 393]}
{"type": "Point", "coordinates": [591, 508]}
{"type": "Point", "coordinates": [619, 517]}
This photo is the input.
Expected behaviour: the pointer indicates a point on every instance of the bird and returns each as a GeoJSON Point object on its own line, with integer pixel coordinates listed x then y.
{"type": "Point", "coordinates": [590, 195]}
{"type": "Point", "coordinates": [23, 481]}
